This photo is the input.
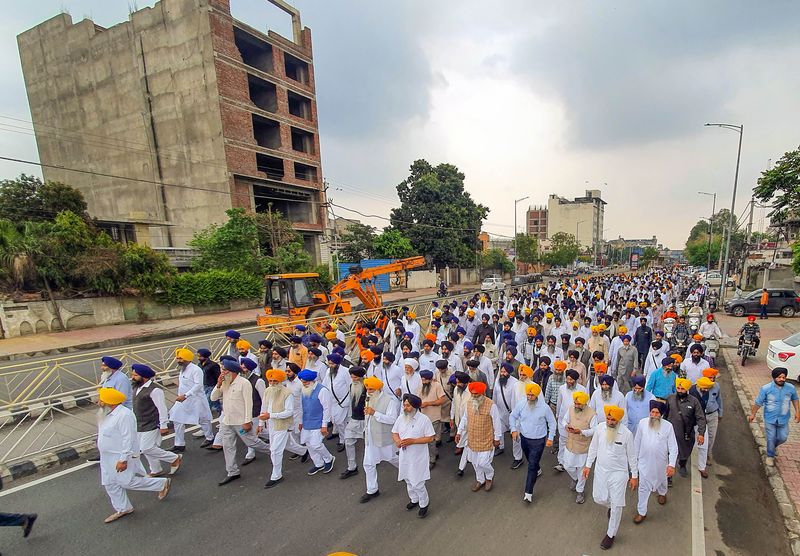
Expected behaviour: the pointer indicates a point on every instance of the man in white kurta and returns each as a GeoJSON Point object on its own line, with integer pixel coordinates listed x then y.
{"type": "Point", "coordinates": [564, 403]}
{"type": "Point", "coordinates": [191, 406]}
{"type": "Point", "coordinates": [482, 425]}
{"type": "Point", "coordinates": [277, 413]}
{"type": "Point", "coordinates": [578, 423]}
{"type": "Point", "coordinates": [458, 406]}
{"type": "Point", "coordinates": [505, 398]}
{"type": "Point", "coordinates": [607, 394]}
{"type": "Point", "coordinates": [412, 432]}
{"type": "Point", "coordinates": [120, 466]}
{"type": "Point", "coordinates": [656, 452]}
{"type": "Point", "coordinates": [380, 413]}
{"type": "Point", "coordinates": [338, 384]}
{"type": "Point", "coordinates": [411, 379]}
{"type": "Point", "coordinates": [613, 449]}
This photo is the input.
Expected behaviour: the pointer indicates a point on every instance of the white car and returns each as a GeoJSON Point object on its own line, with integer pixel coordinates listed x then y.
{"type": "Point", "coordinates": [785, 353]}
{"type": "Point", "coordinates": [713, 278]}
{"type": "Point", "coordinates": [492, 283]}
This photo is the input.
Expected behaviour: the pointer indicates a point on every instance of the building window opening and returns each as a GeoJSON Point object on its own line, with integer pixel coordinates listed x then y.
{"type": "Point", "coordinates": [296, 69]}
{"type": "Point", "coordinates": [302, 141]}
{"type": "Point", "coordinates": [255, 53]}
{"type": "Point", "coordinates": [263, 94]}
{"type": "Point", "coordinates": [267, 133]}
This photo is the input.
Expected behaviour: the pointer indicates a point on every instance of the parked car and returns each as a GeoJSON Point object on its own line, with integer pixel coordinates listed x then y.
{"type": "Point", "coordinates": [713, 278]}
{"type": "Point", "coordinates": [785, 353]}
{"type": "Point", "coordinates": [492, 283]}
{"type": "Point", "coordinates": [782, 302]}
{"type": "Point", "coordinates": [534, 278]}
{"type": "Point", "coordinates": [519, 280]}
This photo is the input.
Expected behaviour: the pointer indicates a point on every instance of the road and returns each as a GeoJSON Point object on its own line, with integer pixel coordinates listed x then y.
{"type": "Point", "coordinates": [320, 514]}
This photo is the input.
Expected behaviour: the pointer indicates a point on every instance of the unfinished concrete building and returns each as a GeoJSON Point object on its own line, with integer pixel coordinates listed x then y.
{"type": "Point", "coordinates": [176, 115]}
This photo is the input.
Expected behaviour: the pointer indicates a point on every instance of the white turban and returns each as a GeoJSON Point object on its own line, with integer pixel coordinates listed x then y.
{"type": "Point", "coordinates": [413, 363]}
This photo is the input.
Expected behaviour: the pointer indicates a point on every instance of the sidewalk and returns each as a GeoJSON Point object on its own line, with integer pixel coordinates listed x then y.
{"type": "Point", "coordinates": [52, 343]}
{"type": "Point", "coordinates": [785, 476]}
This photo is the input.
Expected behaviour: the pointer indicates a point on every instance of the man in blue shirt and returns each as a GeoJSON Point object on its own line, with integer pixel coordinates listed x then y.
{"type": "Point", "coordinates": [775, 397]}
{"type": "Point", "coordinates": [661, 382]}
{"type": "Point", "coordinates": [114, 377]}
{"type": "Point", "coordinates": [533, 421]}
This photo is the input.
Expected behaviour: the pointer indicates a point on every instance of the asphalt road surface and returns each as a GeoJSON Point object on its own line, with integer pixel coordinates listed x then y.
{"type": "Point", "coordinates": [320, 514]}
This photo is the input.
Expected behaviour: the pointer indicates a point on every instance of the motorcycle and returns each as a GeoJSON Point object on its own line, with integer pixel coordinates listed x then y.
{"type": "Point", "coordinates": [711, 346]}
{"type": "Point", "coordinates": [747, 348]}
{"type": "Point", "coordinates": [442, 291]}
{"type": "Point", "coordinates": [680, 308]}
{"type": "Point", "coordinates": [712, 300]}
{"type": "Point", "coordinates": [681, 340]}
{"type": "Point", "coordinates": [694, 324]}
{"type": "Point", "coordinates": [669, 325]}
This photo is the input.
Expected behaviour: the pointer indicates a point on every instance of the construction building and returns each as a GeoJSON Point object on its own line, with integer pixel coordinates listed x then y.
{"type": "Point", "coordinates": [177, 115]}
{"type": "Point", "coordinates": [582, 218]}
{"type": "Point", "coordinates": [536, 222]}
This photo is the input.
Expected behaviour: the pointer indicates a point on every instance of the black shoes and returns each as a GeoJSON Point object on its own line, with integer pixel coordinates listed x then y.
{"type": "Point", "coordinates": [369, 496]}
{"type": "Point", "coordinates": [340, 447]}
{"type": "Point", "coordinates": [229, 479]}
{"type": "Point", "coordinates": [516, 464]}
{"type": "Point", "coordinates": [411, 505]}
{"type": "Point", "coordinates": [206, 443]}
{"type": "Point", "coordinates": [179, 449]}
{"type": "Point", "coordinates": [272, 483]}
{"type": "Point", "coordinates": [348, 473]}
{"type": "Point", "coordinates": [28, 525]}
{"type": "Point", "coordinates": [248, 461]}
{"type": "Point", "coordinates": [423, 512]}
{"type": "Point", "coordinates": [304, 458]}
{"type": "Point", "coordinates": [607, 542]}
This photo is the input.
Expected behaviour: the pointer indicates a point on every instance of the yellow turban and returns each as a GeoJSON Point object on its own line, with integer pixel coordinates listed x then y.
{"type": "Point", "coordinates": [276, 374]}
{"type": "Point", "coordinates": [185, 354]}
{"type": "Point", "coordinates": [560, 365]}
{"type": "Point", "coordinates": [437, 313]}
{"type": "Point", "coordinates": [623, 329]}
{"type": "Point", "coordinates": [594, 329]}
{"type": "Point", "coordinates": [575, 324]}
{"type": "Point", "coordinates": [412, 315]}
{"type": "Point", "coordinates": [531, 331]}
{"type": "Point", "coordinates": [533, 388]}
{"type": "Point", "coordinates": [580, 397]}
{"type": "Point", "coordinates": [525, 371]}
{"type": "Point", "coordinates": [110, 396]}
{"type": "Point", "coordinates": [470, 312]}
{"type": "Point", "coordinates": [613, 411]}
{"type": "Point", "coordinates": [334, 326]}
{"type": "Point", "coordinates": [601, 327]}
{"type": "Point", "coordinates": [243, 344]}
{"type": "Point", "coordinates": [684, 383]}
{"type": "Point", "coordinates": [705, 383]}
{"type": "Point", "coordinates": [330, 335]}
{"type": "Point", "coordinates": [373, 383]}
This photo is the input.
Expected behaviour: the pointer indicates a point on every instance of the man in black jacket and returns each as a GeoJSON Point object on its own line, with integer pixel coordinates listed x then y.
{"type": "Point", "coordinates": [642, 339]}
{"type": "Point", "coordinates": [210, 376]}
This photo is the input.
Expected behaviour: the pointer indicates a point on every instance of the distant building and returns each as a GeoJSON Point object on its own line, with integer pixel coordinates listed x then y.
{"type": "Point", "coordinates": [340, 226]}
{"type": "Point", "coordinates": [581, 217]}
{"type": "Point", "coordinates": [636, 244]}
{"type": "Point", "coordinates": [483, 237]}
{"type": "Point", "coordinates": [177, 115]}
{"type": "Point", "coordinates": [536, 222]}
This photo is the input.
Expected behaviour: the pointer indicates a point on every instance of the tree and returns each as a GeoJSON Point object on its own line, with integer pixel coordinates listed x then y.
{"type": "Point", "coordinates": [649, 254]}
{"type": "Point", "coordinates": [780, 186]}
{"type": "Point", "coordinates": [796, 257]}
{"type": "Point", "coordinates": [564, 249]}
{"type": "Point", "coordinates": [392, 244]}
{"type": "Point", "coordinates": [274, 230]}
{"type": "Point", "coordinates": [28, 198]}
{"type": "Point", "coordinates": [527, 249]}
{"type": "Point", "coordinates": [495, 259]}
{"type": "Point", "coordinates": [359, 240]}
{"type": "Point", "coordinates": [696, 251]}
{"type": "Point", "coordinates": [438, 215]}
{"type": "Point", "coordinates": [231, 246]}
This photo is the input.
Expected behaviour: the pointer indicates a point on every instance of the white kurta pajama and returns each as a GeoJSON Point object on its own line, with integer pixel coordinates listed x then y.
{"type": "Point", "coordinates": [574, 463]}
{"type": "Point", "coordinates": [118, 441]}
{"type": "Point", "coordinates": [614, 462]}
{"type": "Point", "coordinates": [312, 438]}
{"type": "Point", "coordinates": [339, 390]}
{"type": "Point", "coordinates": [194, 410]}
{"type": "Point", "coordinates": [374, 454]}
{"type": "Point", "coordinates": [413, 466]}
{"type": "Point", "coordinates": [563, 404]}
{"type": "Point", "coordinates": [482, 461]}
{"type": "Point", "coordinates": [457, 409]}
{"type": "Point", "coordinates": [279, 440]}
{"type": "Point", "coordinates": [655, 450]}
{"type": "Point", "coordinates": [505, 399]}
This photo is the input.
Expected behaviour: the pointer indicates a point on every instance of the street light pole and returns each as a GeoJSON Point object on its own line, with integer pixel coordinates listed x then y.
{"type": "Point", "coordinates": [740, 130]}
{"type": "Point", "coordinates": [710, 227]}
{"type": "Point", "coordinates": [515, 230]}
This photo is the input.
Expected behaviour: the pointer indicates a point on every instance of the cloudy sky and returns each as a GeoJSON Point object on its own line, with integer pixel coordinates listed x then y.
{"type": "Point", "coordinates": [540, 97]}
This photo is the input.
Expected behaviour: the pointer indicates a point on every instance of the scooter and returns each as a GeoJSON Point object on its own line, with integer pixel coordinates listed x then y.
{"type": "Point", "coordinates": [747, 348]}
{"type": "Point", "coordinates": [712, 301]}
{"type": "Point", "coordinates": [442, 291]}
{"type": "Point", "coordinates": [711, 346]}
{"type": "Point", "coordinates": [669, 325]}
{"type": "Point", "coordinates": [694, 324]}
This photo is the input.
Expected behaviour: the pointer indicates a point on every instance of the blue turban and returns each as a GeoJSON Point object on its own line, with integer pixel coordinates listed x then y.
{"type": "Point", "coordinates": [625, 336]}
{"type": "Point", "coordinates": [461, 329]}
{"type": "Point", "coordinates": [338, 350]}
{"type": "Point", "coordinates": [415, 401]}
{"type": "Point", "coordinates": [468, 345]}
{"type": "Point", "coordinates": [307, 375]}
{"type": "Point", "coordinates": [538, 337]}
{"type": "Point", "coordinates": [295, 340]}
{"type": "Point", "coordinates": [452, 379]}
{"type": "Point", "coordinates": [661, 406]}
{"type": "Point", "coordinates": [512, 351]}
{"type": "Point", "coordinates": [606, 379]}
{"type": "Point", "coordinates": [223, 358]}
{"type": "Point", "coordinates": [414, 355]}
{"type": "Point", "coordinates": [143, 370]}
{"type": "Point", "coordinates": [389, 356]}
{"type": "Point", "coordinates": [426, 374]}
{"type": "Point", "coordinates": [409, 335]}
{"type": "Point", "coordinates": [202, 352]}
{"type": "Point", "coordinates": [112, 362]}
{"type": "Point", "coordinates": [316, 338]}
{"type": "Point", "coordinates": [233, 334]}
{"type": "Point", "coordinates": [511, 344]}
{"type": "Point", "coordinates": [300, 327]}
{"type": "Point", "coordinates": [638, 380]}
{"type": "Point", "coordinates": [248, 363]}
{"type": "Point", "coordinates": [508, 367]}
{"type": "Point", "coordinates": [231, 365]}
{"type": "Point", "coordinates": [335, 358]}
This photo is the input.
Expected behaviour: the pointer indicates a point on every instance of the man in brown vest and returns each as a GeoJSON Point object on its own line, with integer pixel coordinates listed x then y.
{"type": "Point", "coordinates": [579, 423]}
{"type": "Point", "coordinates": [483, 427]}
{"type": "Point", "coordinates": [277, 412]}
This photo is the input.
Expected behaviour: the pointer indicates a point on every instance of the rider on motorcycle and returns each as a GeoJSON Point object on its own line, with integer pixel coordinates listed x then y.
{"type": "Point", "coordinates": [670, 313]}
{"type": "Point", "coordinates": [696, 310]}
{"type": "Point", "coordinates": [681, 331]}
{"type": "Point", "coordinates": [752, 329]}
{"type": "Point", "coordinates": [442, 287]}
{"type": "Point", "coordinates": [710, 329]}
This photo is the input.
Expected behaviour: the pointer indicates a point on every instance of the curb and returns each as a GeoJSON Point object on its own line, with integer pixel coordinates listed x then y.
{"type": "Point", "coordinates": [48, 460]}
{"type": "Point", "coordinates": [790, 515]}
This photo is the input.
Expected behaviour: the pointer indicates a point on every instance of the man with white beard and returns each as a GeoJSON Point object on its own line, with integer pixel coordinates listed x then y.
{"type": "Point", "coordinates": [411, 380]}
{"type": "Point", "coordinates": [277, 413]}
{"type": "Point", "coordinates": [338, 384]}
{"type": "Point", "coordinates": [355, 426]}
{"type": "Point", "coordinates": [380, 413]}
{"type": "Point", "coordinates": [389, 374]}
{"type": "Point", "coordinates": [315, 363]}
{"type": "Point", "coordinates": [458, 407]}
{"type": "Point", "coordinates": [505, 398]}
{"type": "Point", "coordinates": [578, 424]}
{"type": "Point", "coordinates": [316, 403]}
{"type": "Point", "coordinates": [565, 401]}
{"type": "Point", "coordinates": [191, 406]}
{"type": "Point", "coordinates": [613, 448]}
{"type": "Point", "coordinates": [607, 394]}
{"type": "Point", "coordinates": [412, 432]}
{"type": "Point", "coordinates": [481, 423]}
{"type": "Point", "coordinates": [657, 453]}
{"type": "Point", "coordinates": [637, 402]}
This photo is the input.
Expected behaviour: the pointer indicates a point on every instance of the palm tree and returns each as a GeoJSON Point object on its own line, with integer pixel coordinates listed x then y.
{"type": "Point", "coordinates": [18, 251]}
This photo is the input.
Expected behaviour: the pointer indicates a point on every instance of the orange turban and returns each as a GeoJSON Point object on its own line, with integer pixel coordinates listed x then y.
{"type": "Point", "coordinates": [560, 365]}
{"type": "Point", "coordinates": [677, 357]}
{"type": "Point", "coordinates": [710, 373]}
{"type": "Point", "coordinates": [330, 335]}
{"type": "Point", "coordinates": [613, 411]}
{"type": "Point", "coordinates": [510, 314]}
{"type": "Point", "coordinates": [533, 388]}
{"type": "Point", "coordinates": [373, 383]}
{"type": "Point", "coordinates": [525, 371]}
{"type": "Point", "coordinates": [477, 388]}
{"type": "Point", "coordinates": [276, 374]}
{"type": "Point", "coordinates": [600, 368]}
{"type": "Point", "coordinates": [412, 315]}
{"type": "Point", "coordinates": [431, 337]}
{"type": "Point", "coordinates": [531, 331]}
{"type": "Point", "coordinates": [243, 344]}
{"type": "Point", "coordinates": [367, 355]}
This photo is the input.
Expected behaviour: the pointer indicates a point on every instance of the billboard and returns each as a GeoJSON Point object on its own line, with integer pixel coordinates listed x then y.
{"type": "Point", "coordinates": [634, 263]}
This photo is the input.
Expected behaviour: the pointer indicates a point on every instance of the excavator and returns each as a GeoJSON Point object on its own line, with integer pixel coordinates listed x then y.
{"type": "Point", "coordinates": [297, 297]}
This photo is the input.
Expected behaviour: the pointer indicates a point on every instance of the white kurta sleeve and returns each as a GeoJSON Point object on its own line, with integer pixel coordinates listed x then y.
{"type": "Point", "coordinates": [325, 400]}
{"type": "Point", "coordinates": [633, 458]}
{"type": "Point", "coordinates": [593, 448]}
{"type": "Point", "coordinates": [157, 395]}
{"type": "Point", "coordinates": [196, 378]}
{"type": "Point", "coordinates": [392, 412]}
{"type": "Point", "coordinates": [127, 434]}
{"type": "Point", "coordinates": [497, 425]}
{"type": "Point", "coordinates": [462, 425]}
{"type": "Point", "coordinates": [672, 444]}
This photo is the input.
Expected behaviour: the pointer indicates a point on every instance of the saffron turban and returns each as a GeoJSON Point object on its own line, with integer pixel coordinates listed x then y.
{"type": "Point", "coordinates": [677, 357]}
{"type": "Point", "coordinates": [243, 344]}
{"type": "Point", "coordinates": [560, 365]}
{"type": "Point", "coordinates": [525, 371]}
{"type": "Point", "coordinates": [600, 368]}
{"type": "Point", "coordinates": [533, 388]}
{"type": "Point", "coordinates": [580, 397]}
{"type": "Point", "coordinates": [373, 383]}
{"type": "Point", "coordinates": [276, 374]}
{"type": "Point", "coordinates": [710, 373]}
{"type": "Point", "coordinates": [477, 388]}
{"type": "Point", "coordinates": [684, 383]}
{"type": "Point", "coordinates": [613, 411]}
{"type": "Point", "coordinates": [367, 355]}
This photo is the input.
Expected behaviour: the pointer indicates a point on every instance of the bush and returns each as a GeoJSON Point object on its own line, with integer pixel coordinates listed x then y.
{"type": "Point", "coordinates": [213, 286]}
{"type": "Point", "coordinates": [325, 278]}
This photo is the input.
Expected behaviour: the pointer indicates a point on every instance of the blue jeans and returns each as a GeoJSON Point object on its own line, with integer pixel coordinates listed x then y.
{"type": "Point", "coordinates": [776, 435]}
{"type": "Point", "coordinates": [532, 448]}
{"type": "Point", "coordinates": [214, 405]}
{"type": "Point", "coordinates": [763, 314]}
{"type": "Point", "coordinates": [10, 520]}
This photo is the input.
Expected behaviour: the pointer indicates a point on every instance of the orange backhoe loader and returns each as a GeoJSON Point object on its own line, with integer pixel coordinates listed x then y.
{"type": "Point", "coordinates": [294, 298]}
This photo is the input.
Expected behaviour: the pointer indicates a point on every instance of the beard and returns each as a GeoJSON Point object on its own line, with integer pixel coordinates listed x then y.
{"type": "Point", "coordinates": [357, 389]}
{"type": "Point", "coordinates": [579, 408]}
{"type": "Point", "coordinates": [611, 433]}
{"type": "Point", "coordinates": [408, 415]}
{"type": "Point", "coordinates": [101, 414]}
{"type": "Point", "coordinates": [638, 395]}
{"type": "Point", "coordinates": [605, 394]}
{"type": "Point", "coordinates": [104, 376]}
{"type": "Point", "coordinates": [476, 404]}
{"type": "Point", "coordinates": [681, 395]}
{"type": "Point", "coordinates": [503, 380]}
{"type": "Point", "coordinates": [655, 423]}
{"type": "Point", "coordinates": [307, 390]}
{"type": "Point", "coordinates": [532, 403]}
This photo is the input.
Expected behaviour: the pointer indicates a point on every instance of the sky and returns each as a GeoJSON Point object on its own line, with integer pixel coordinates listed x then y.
{"type": "Point", "coordinates": [526, 97]}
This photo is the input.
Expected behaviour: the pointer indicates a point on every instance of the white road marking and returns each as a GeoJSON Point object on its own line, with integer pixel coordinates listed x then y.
{"type": "Point", "coordinates": [698, 523]}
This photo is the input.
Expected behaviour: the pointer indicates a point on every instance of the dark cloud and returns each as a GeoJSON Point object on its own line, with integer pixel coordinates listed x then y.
{"type": "Point", "coordinates": [642, 71]}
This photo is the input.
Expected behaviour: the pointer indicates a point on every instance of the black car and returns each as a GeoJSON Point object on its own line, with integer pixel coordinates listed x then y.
{"type": "Point", "coordinates": [519, 280]}
{"type": "Point", "coordinates": [782, 302]}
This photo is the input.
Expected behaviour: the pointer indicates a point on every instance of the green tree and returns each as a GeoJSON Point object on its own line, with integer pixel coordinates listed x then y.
{"type": "Point", "coordinates": [649, 254]}
{"type": "Point", "coordinates": [780, 186]}
{"type": "Point", "coordinates": [358, 241]}
{"type": "Point", "coordinates": [231, 246]}
{"type": "Point", "coordinates": [438, 215]}
{"type": "Point", "coordinates": [392, 244]}
{"type": "Point", "coordinates": [145, 270]}
{"type": "Point", "coordinates": [564, 249]}
{"type": "Point", "coordinates": [796, 257]}
{"type": "Point", "coordinates": [28, 198]}
{"type": "Point", "coordinates": [274, 230]}
{"type": "Point", "coordinates": [527, 249]}
{"type": "Point", "coordinates": [291, 257]}
{"type": "Point", "coordinates": [495, 259]}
